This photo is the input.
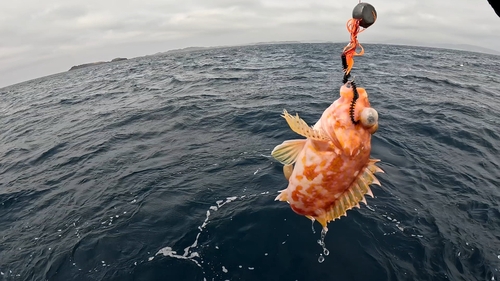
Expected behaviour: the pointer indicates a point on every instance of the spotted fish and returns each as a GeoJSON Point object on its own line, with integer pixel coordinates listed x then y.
{"type": "Point", "coordinates": [330, 171]}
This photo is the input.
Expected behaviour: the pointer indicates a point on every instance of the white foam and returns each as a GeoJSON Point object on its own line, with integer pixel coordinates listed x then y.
{"type": "Point", "coordinates": [370, 208]}
{"type": "Point", "coordinates": [189, 252]}
{"type": "Point", "coordinates": [168, 252]}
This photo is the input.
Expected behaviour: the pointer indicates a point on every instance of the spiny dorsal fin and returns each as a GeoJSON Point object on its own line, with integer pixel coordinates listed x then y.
{"type": "Point", "coordinates": [300, 127]}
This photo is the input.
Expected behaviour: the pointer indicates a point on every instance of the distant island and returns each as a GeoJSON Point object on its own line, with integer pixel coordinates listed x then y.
{"type": "Point", "coordinates": [461, 47]}
{"type": "Point", "coordinates": [95, 63]}
{"type": "Point", "coordinates": [191, 49]}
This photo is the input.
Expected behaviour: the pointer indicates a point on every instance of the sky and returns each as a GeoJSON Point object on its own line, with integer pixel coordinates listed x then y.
{"type": "Point", "coordinates": [40, 38]}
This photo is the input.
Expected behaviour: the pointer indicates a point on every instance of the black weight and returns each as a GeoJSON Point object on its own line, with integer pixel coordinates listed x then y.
{"type": "Point", "coordinates": [365, 13]}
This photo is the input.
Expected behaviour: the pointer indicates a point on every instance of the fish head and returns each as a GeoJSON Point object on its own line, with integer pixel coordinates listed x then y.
{"type": "Point", "coordinates": [363, 113]}
{"type": "Point", "coordinates": [337, 120]}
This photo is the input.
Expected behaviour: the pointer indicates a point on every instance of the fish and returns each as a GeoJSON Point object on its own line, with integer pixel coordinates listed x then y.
{"type": "Point", "coordinates": [330, 171]}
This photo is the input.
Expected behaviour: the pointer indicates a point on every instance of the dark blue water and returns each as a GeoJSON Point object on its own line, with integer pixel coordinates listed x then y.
{"type": "Point", "coordinates": [106, 171]}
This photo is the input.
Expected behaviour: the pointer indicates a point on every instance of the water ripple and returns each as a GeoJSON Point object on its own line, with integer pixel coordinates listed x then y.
{"type": "Point", "coordinates": [103, 167]}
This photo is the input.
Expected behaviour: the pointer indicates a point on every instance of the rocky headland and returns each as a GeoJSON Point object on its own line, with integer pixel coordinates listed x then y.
{"type": "Point", "coordinates": [95, 63]}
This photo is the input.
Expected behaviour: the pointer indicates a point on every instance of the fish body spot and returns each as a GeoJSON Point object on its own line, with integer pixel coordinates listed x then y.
{"type": "Point", "coordinates": [309, 172]}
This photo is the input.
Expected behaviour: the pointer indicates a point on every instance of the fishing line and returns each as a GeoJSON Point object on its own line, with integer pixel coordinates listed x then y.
{"type": "Point", "coordinates": [363, 15]}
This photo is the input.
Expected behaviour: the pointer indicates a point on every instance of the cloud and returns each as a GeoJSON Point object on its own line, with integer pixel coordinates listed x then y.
{"type": "Point", "coordinates": [44, 37]}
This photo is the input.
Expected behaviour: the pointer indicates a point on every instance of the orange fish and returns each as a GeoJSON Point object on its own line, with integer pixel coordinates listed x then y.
{"type": "Point", "coordinates": [330, 171]}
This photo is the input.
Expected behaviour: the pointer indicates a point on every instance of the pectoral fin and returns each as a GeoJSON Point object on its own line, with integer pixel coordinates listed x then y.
{"type": "Point", "coordinates": [288, 151]}
{"type": "Point", "coordinates": [300, 127]}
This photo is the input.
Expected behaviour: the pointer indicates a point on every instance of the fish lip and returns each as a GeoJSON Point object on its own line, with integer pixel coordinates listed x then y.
{"type": "Point", "coordinates": [373, 129]}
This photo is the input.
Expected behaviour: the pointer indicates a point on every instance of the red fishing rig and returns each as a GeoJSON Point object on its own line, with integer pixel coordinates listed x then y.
{"type": "Point", "coordinates": [363, 16]}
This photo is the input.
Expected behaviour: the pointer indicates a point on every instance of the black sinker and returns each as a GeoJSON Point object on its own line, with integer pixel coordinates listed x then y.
{"type": "Point", "coordinates": [365, 13]}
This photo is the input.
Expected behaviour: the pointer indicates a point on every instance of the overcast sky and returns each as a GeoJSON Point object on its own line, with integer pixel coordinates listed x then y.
{"type": "Point", "coordinates": [39, 38]}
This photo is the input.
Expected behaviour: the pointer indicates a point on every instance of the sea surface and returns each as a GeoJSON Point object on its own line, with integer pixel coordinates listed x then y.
{"type": "Point", "coordinates": [159, 168]}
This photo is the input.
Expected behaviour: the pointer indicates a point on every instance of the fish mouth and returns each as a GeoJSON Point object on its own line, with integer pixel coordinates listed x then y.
{"type": "Point", "coordinates": [373, 129]}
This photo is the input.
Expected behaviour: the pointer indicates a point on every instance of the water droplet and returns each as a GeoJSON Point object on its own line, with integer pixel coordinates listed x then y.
{"type": "Point", "coordinates": [321, 242]}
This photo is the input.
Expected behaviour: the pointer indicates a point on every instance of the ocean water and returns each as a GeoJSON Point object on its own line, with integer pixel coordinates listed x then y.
{"type": "Point", "coordinates": [159, 168]}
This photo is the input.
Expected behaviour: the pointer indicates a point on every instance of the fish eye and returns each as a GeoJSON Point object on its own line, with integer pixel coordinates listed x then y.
{"type": "Point", "coordinates": [369, 117]}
